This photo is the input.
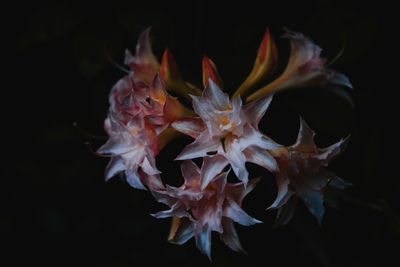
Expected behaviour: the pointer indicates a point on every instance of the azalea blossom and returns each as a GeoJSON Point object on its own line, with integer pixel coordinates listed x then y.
{"type": "Point", "coordinates": [303, 174]}
{"type": "Point", "coordinates": [132, 152]}
{"type": "Point", "coordinates": [226, 133]}
{"type": "Point", "coordinates": [197, 211]}
{"type": "Point", "coordinates": [305, 68]}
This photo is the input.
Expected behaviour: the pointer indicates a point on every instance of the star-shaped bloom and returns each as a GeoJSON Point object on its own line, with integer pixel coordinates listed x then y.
{"type": "Point", "coordinates": [198, 211]}
{"type": "Point", "coordinates": [303, 174]}
{"type": "Point", "coordinates": [305, 69]}
{"type": "Point", "coordinates": [132, 151]}
{"type": "Point", "coordinates": [226, 133]}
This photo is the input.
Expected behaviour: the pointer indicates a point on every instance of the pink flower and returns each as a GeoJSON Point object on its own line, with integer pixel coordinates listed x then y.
{"type": "Point", "coordinates": [132, 152]}
{"type": "Point", "coordinates": [144, 64]}
{"type": "Point", "coordinates": [228, 131]}
{"type": "Point", "coordinates": [198, 211]}
{"type": "Point", "coordinates": [305, 68]}
{"type": "Point", "coordinates": [302, 174]}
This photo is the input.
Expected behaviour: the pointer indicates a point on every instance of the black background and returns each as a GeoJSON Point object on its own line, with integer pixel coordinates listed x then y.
{"type": "Point", "coordinates": [58, 210]}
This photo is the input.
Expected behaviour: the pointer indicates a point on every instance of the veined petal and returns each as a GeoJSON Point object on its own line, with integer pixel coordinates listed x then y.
{"type": "Point", "coordinates": [191, 126]}
{"type": "Point", "coordinates": [199, 147]}
{"type": "Point", "coordinates": [211, 167]}
{"type": "Point", "coordinates": [261, 157]}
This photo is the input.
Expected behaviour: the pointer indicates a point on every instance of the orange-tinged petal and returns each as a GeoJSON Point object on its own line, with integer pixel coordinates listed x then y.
{"type": "Point", "coordinates": [172, 78]}
{"type": "Point", "coordinates": [264, 65]}
{"type": "Point", "coordinates": [210, 72]}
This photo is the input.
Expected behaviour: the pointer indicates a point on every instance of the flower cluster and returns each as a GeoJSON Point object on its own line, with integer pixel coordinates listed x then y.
{"type": "Point", "coordinates": [143, 117]}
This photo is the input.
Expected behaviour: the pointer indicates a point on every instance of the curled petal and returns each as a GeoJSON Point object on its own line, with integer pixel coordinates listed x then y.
{"type": "Point", "coordinates": [305, 138]}
{"type": "Point", "coordinates": [328, 153]}
{"type": "Point", "coordinates": [237, 160]}
{"type": "Point", "coordinates": [284, 194]}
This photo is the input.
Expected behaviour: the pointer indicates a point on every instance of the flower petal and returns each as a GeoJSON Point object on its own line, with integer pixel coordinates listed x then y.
{"type": "Point", "coordinates": [191, 126]}
{"type": "Point", "coordinates": [210, 72]}
{"type": "Point", "coordinates": [264, 65]}
{"type": "Point", "coordinates": [305, 138]}
{"type": "Point", "coordinates": [233, 211]}
{"type": "Point", "coordinates": [256, 109]}
{"type": "Point", "coordinates": [114, 166]}
{"type": "Point", "coordinates": [203, 241]}
{"type": "Point", "coordinates": [199, 147]}
{"type": "Point", "coordinates": [190, 172]}
{"type": "Point", "coordinates": [230, 236]}
{"type": "Point", "coordinates": [133, 179]}
{"type": "Point", "coordinates": [261, 157]}
{"type": "Point", "coordinates": [181, 231]}
{"type": "Point", "coordinates": [284, 194]}
{"type": "Point", "coordinates": [211, 167]}
{"type": "Point", "coordinates": [237, 160]}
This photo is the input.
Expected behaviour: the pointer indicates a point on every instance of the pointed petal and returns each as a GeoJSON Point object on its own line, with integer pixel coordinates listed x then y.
{"type": "Point", "coordinates": [328, 153]}
{"type": "Point", "coordinates": [157, 91]}
{"type": "Point", "coordinates": [148, 165]}
{"type": "Point", "coordinates": [261, 157]}
{"type": "Point", "coordinates": [284, 194]}
{"type": "Point", "coordinates": [237, 191]}
{"type": "Point", "coordinates": [237, 160]}
{"type": "Point", "coordinates": [305, 138]}
{"type": "Point", "coordinates": [190, 171]}
{"type": "Point", "coordinates": [144, 64]}
{"type": "Point", "coordinates": [233, 211]}
{"type": "Point", "coordinates": [214, 94]}
{"type": "Point", "coordinates": [210, 72]}
{"type": "Point", "coordinates": [256, 109]}
{"type": "Point", "coordinates": [203, 241]}
{"type": "Point", "coordinates": [191, 126]}
{"type": "Point", "coordinates": [340, 79]}
{"type": "Point", "coordinates": [115, 166]}
{"type": "Point", "coordinates": [211, 167]}
{"type": "Point", "coordinates": [199, 147]}
{"type": "Point", "coordinates": [133, 179]}
{"type": "Point", "coordinates": [264, 65]}
{"type": "Point", "coordinates": [230, 236]}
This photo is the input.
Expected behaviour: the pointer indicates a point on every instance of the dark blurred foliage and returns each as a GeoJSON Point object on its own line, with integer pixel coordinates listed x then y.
{"type": "Point", "coordinates": [56, 207]}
